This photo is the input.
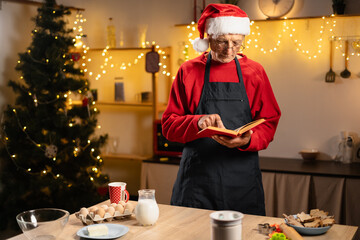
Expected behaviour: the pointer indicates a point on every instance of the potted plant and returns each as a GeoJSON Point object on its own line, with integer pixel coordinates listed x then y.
{"type": "Point", "coordinates": [338, 6]}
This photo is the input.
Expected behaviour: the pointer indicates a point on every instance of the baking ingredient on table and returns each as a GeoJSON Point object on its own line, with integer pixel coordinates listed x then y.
{"type": "Point", "coordinates": [119, 208]}
{"type": "Point", "coordinates": [316, 218]}
{"type": "Point", "coordinates": [110, 210]}
{"type": "Point", "coordinates": [290, 232]}
{"type": "Point", "coordinates": [92, 209]}
{"type": "Point", "coordinates": [147, 212]}
{"type": "Point", "coordinates": [105, 212]}
{"type": "Point", "coordinates": [104, 206]}
{"type": "Point", "coordinates": [123, 203]}
{"type": "Point", "coordinates": [129, 207]}
{"type": "Point", "coordinates": [100, 212]}
{"type": "Point", "coordinates": [84, 211]}
{"type": "Point", "coordinates": [97, 230]}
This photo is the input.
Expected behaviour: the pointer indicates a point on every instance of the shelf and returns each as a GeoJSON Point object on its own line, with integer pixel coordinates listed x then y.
{"type": "Point", "coordinates": [119, 49]}
{"type": "Point", "coordinates": [291, 18]}
{"type": "Point", "coordinates": [126, 156]}
{"type": "Point", "coordinates": [306, 18]}
{"type": "Point", "coordinates": [130, 104]}
{"type": "Point", "coordinates": [161, 106]}
{"type": "Point", "coordinates": [29, 2]}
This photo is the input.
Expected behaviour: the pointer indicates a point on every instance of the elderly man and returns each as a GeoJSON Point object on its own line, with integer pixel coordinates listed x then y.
{"type": "Point", "coordinates": [225, 89]}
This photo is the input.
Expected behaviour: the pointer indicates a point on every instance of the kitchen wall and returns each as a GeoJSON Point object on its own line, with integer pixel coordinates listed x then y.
{"type": "Point", "coordinates": [313, 112]}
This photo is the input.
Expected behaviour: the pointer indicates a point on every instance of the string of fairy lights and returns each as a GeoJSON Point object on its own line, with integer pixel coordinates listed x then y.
{"type": "Point", "coordinates": [254, 41]}
{"type": "Point", "coordinates": [257, 38]}
{"type": "Point", "coordinates": [109, 64]}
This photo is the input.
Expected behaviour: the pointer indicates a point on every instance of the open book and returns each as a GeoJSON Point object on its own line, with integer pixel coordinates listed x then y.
{"type": "Point", "coordinates": [210, 131]}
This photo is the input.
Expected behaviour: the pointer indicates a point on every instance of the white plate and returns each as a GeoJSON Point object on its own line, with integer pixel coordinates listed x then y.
{"type": "Point", "coordinates": [115, 231]}
{"type": "Point", "coordinates": [308, 231]}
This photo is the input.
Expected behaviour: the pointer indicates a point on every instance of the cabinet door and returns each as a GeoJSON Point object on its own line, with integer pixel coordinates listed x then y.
{"type": "Point", "coordinates": [292, 193]}
{"type": "Point", "coordinates": [268, 179]}
{"type": "Point", "coordinates": [352, 203]}
{"type": "Point", "coordinates": [327, 195]}
{"type": "Point", "coordinates": [160, 177]}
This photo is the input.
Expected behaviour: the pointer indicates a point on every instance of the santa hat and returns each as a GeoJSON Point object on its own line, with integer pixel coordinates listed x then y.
{"type": "Point", "coordinates": [218, 19]}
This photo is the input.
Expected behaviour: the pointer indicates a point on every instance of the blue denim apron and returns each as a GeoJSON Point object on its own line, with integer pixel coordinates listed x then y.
{"type": "Point", "coordinates": [212, 176]}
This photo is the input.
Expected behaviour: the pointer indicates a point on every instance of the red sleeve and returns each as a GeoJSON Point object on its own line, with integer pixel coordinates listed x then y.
{"type": "Point", "coordinates": [179, 124]}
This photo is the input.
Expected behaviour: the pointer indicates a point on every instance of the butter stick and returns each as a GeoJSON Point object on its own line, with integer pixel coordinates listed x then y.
{"type": "Point", "coordinates": [290, 232]}
{"type": "Point", "coordinates": [97, 230]}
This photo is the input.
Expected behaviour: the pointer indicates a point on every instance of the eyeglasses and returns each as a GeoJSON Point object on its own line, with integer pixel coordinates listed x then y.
{"type": "Point", "coordinates": [226, 43]}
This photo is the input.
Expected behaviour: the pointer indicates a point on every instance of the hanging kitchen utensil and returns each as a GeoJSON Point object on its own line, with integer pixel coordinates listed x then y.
{"type": "Point", "coordinates": [330, 76]}
{"type": "Point", "coordinates": [346, 73]}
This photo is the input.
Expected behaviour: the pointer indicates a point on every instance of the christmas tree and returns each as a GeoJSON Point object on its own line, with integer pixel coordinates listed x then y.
{"type": "Point", "coordinates": [50, 155]}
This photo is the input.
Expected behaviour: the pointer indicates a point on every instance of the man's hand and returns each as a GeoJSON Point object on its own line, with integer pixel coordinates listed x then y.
{"type": "Point", "coordinates": [210, 120]}
{"type": "Point", "coordinates": [236, 142]}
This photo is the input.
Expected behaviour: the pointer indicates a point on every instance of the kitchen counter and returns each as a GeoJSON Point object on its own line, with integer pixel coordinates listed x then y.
{"type": "Point", "coordinates": [288, 165]}
{"type": "Point", "coordinates": [179, 223]}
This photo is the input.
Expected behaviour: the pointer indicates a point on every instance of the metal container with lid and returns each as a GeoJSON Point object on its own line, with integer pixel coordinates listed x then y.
{"type": "Point", "coordinates": [226, 225]}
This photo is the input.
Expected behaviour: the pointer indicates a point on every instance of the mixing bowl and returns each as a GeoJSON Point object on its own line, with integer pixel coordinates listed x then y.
{"type": "Point", "coordinates": [44, 223]}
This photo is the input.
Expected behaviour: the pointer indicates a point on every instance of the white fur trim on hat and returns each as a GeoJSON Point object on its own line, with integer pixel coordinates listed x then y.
{"type": "Point", "coordinates": [227, 25]}
{"type": "Point", "coordinates": [201, 45]}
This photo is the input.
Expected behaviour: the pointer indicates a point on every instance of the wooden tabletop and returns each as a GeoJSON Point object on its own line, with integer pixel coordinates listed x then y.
{"type": "Point", "coordinates": [182, 223]}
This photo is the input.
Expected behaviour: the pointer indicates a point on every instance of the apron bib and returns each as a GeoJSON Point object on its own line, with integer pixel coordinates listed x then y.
{"type": "Point", "coordinates": [212, 176]}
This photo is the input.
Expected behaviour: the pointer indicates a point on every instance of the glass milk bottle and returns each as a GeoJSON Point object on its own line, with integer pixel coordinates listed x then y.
{"type": "Point", "coordinates": [147, 210]}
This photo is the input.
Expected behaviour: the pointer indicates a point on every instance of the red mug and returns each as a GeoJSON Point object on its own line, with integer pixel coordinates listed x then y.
{"type": "Point", "coordinates": [118, 192]}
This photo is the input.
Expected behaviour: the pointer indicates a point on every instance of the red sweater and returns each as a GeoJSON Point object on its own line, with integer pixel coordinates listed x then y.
{"type": "Point", "coordinates": [179, 123]}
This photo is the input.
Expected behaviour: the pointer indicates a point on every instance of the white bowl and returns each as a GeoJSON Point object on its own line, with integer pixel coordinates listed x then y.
{"type": "Point", "coordinates": [309, 154]}
{"type": "Point", "coordinates": [44, 223]}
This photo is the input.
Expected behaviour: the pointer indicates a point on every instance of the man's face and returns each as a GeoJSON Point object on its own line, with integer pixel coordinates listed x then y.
{"type": "Point", "coordinates": [224, 47]}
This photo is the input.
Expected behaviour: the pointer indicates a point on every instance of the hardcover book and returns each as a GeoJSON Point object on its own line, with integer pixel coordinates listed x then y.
{"type": "Point", "coordinates": [210, 131]}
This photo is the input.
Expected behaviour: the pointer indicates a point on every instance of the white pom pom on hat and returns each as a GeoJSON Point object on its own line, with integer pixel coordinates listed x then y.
{"type": "Point", "coordinates": [218, 19]}
{"type": "Point", "coordinates": [201, 45]}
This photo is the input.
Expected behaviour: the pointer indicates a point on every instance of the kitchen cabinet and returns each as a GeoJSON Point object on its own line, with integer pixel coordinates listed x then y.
{"type": "Point", "coordinates": [290, 186]}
